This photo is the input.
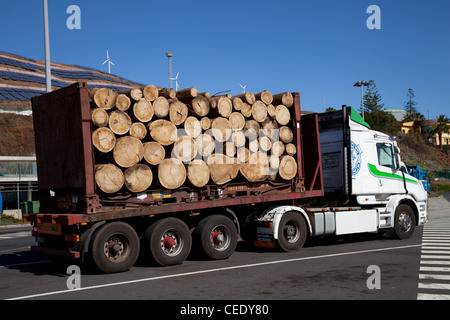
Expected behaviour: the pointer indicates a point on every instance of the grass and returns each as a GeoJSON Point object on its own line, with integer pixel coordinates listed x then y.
{"type": "Point", "coordinates": [9, 220]}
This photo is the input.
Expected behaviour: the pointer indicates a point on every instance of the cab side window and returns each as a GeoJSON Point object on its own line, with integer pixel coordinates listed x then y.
{"type": "Point", "coordinates": [385, 155]}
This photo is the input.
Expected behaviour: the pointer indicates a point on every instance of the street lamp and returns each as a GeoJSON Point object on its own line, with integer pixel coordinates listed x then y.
{"type": "Point", "coordinates": [361, 84]}
{"type": "Point", "coordinates": [48, 76]}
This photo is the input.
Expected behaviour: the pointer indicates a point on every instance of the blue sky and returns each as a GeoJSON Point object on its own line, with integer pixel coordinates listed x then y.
{"type": "Point", "coordinates": [318, 48]}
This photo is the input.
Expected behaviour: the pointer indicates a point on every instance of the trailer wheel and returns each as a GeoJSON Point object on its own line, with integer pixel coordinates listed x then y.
{"type": "Point", "coordinates": [217, 236]}
{"type": "Point", "coordinates": [169, 241]}
{"type": "Point", "coordinates": [115, 247]}
{"type": "Point", "coordinates": [291, 232]}
{"type": "Point", "coordinates": [405, 222]}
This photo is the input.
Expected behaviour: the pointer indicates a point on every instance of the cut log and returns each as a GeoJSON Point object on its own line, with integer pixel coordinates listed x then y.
{"type": "Point", "coordinates": [206, 123]}
{"type": "Point", "coordinates": [284, 98]}
{"type": "Point", "coordinates": [257, 167]}
{"type": "Point", "coordinates": [199, 105]}
{"type": "Point", "coordinates": [277, 148]}
{"type": "Point", "coordinates": [221, 129]}
{"type": "Point", "coordinates": [198, 173]}
{"type": "Point", "coordinates": [138, 130]}
{"type": "Point", "coordinates": [206, 94]}
{"type": "Point", "coordinates": [238, 138]}
{"type": "Point", "coordinates": [186, 93]}
{"type": "Point", "coordinates": [178, 112]}
{"type": "Point", "coordinates": [167, 93]}
{"type": "Point", "coordinates": [119, 122]}
{"type": "Point", "coordinates": [138, 177]}
{"type": "Point", "coordinates": [288, 168]}
{"type": "Point", "coordinates": [184, 149]}
{"type": "Point", "coordinates": [230, 149]}
{"type": "Point", "coordinates": [264, 96]}
{"type": "Point", "coordinates": [243, 154]}
{"type": "Point", "coordinates": [269, 128]}
{"type": "Point", "coordinates": [271, 111]}
{"type": "Point", "coordinates": [246, 110]}
{"type": "Point", "coordinates": [163, 131]}
{"type": "Point", "coordinates": [259, 111]}
{"type": "Point", "coordinates": [282, 115]}
{"type": "Point", "coordinates": [205, 145]}
{"type": "Point", "coordinates": [123, 103]}
{"type": "Point", "coordinates": [253, 146]}
{"type": "Point", "coordinates": [223, 169]}
{"type": "Point", "coordinates": [171, 173]}
{"type": "Point", "coordinates": [150, 92]}
{"type": "Point", "coordinates": [143, 110]}
{"type": "Point", "coordinates": [224, 106]}
{"type": "Point", "coordinates": [193, 127]}
{"type": "Point", "coordinates": [103, 139]}
{"type": "Point", "coordinates": [237, 103]}
{"type": "Point", "coordinates": [161, 107]}
{"type": "Point", "coordinates": [237, 121]}
{"type": "Point", "coordinates": [286, 134]}
{"type": "Point", "coordinates": [247, 97]}
{"type": "Point", "coordinates": [290, 149]}
{"type": "Point", "coordinates": [133, 93]}
{"type": "Point", "coordinates": [264, 144]}
{"type": "Point", "coordinates": [154, 152]}
{"type": "Point", "coordinates": [103, 98]}
{"type": "Point", "coordinates": [251, 129]}
{"type": "Point", "coordinates": [274, 163]}
{"type": "Point", "coordinates": [109, 178]}
{"type": "Point", "coordinates": [128, 151]}
{"type": "Point", "coordinates": [99, 117]}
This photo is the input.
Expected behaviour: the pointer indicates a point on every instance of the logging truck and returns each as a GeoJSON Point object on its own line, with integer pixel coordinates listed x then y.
{"type": "Point", "coordinates": [156, 174]}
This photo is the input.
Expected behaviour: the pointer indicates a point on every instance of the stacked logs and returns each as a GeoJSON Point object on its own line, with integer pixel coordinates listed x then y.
{"type": "Point", "coordinates": [155, 137]}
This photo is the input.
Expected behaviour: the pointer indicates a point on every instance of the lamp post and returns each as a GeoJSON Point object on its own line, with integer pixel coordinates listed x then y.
{"type": "Point", "coordinates": [169, 56]}
{"type": "Point", "coordinates": [48, 76]}
{"type": "Point", "coordinates": [361, 84]}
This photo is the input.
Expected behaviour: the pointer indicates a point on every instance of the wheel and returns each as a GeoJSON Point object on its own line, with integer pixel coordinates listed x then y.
{"type": "Point", "coordinates": [217, 236]}
{"type": "Point", "coordinates": [292, 232]}
{"type": "Point", "coordinates": [405, 222]}
{"type": "Point", "coordinates": [169, 241]}
{"type": "Point", "coordinates": [115, 247]}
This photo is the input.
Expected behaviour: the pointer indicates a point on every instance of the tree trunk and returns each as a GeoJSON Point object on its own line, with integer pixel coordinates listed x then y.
{"type": "Point", "coordinates": [171, 173]}
{"type": "Point", "coordinates": [199, 105]}
{"type": "Point", "coordinates": [205, 145]}
{"type": "Point", "coordinates": [103, 139]}
{"type": "Point", "coordinates": [247, 97]}
{"type": "Point", "coordinates": [206, 123]}
{"type": "Point", "coordinates": [246, 110]}
{"type": "Point", "coordinates": [150, 92]}
{"type": "Point", "coordinates": [143, 110]}
{"type": "Point", "coordinates": [187, 93]}
{"type": "Point", "coordinates": [259, 111]}
{"type": "Point", "coordinates": [269, 129]}
{"type": "Point", "coordinates": [198, 173]}
{"type": "Point", "coordinates": [161, 107]}
{"type": "Point", "coordinates": [286, 134]}
{"type": "Point", "coordinates": [265, 97]}
{"type": "Point", "coordinates": [238, 138]}
{"type": "Point", "coordinates": [108, 177]}
{"type": "Point", "coordinates": [237, 103]}
{"type": "Point", "coordinates": [284, 98]}
{"type": "Point", "coordinates": [288, 168]}
{"type": "Point", "coordinates": [99, 117]}
{"type": "Point", "coordinates": [138, 177]}
{"type": "Point", "coordinates": [243, 154]}
{"type": "Point", "coordinates": [154, 152]}
{"type": "Point", "coordinates": [290, 149]}
{"type": "Point", "coordinates": [119, 122]}
{"type": "Point", "coordinates": [223, 169]}
{"type": "Point", "coordinates": [237, 121]}
{"type": "Point", "coordinates": [103, 98]}
{"type": "Point", "coordinates": [123, 102]}
{"type": "Point", "coordinates": [138, 130]}
{"type": "Point", "coordinates": [251, 129]}
{"type": "Point", "coordinates": [167, 93]}
{"type": "Point", "coordinates": [178, 112]}
{"type": "Point", "coordinates": [193, 127]}
{"type": "Point", "coordinates": [128, 151]}
{"type": "Point", "coordinates": [133, 93]}
{"type": "Point", "coordinates": [221, 129]}
{"type": "Point", "coordinates": [277, 148]}
{"type": "Point", "coordinates": [271, 111]}
{"type": "Point", "coordinates": [282, 115]}
{"type": "Point", "coordinates": [184, 149]}
{"type": "Point", "coordinates": [257, 167]}
{"type": "Point", "coordinates": [224, 106]}
{"type": "Point", "coordinates": [163, 131]}
{"type": "Point", "coordinates": [264, 144]}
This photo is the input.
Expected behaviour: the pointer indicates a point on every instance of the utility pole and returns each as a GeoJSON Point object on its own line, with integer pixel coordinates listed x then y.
{"type": "Point", "coordinates": [361, 84]}
{"type": "Point", "coordinates": [48, 73]}
{"type": "Point", "coordinates": [169, 56]}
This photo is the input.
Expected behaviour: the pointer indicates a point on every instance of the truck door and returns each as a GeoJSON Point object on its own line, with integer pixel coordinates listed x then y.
{"type": "Point", "coordinates": [386, 170]}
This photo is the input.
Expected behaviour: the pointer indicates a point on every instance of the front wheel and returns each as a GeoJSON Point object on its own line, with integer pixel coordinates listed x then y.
{"type": "Point", "coordinates": [292, 232]}
{"type": "Point", "coordinates": [405, 222]}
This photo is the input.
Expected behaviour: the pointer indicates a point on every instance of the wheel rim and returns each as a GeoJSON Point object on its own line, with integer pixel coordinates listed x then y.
{"type": "Point", "coordinates": [171, 243]}
{"type": "Point", "coordinates": [220, 239]}
{"type": "Point", "coordinates": [291, 231]}
{"type": "Point", "coordinates": [116, 248]}
{"type": "Point", "coordinates": [405, 221]}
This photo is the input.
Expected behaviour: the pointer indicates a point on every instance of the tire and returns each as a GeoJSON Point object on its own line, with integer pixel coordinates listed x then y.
{"type": "Point", "coordinates": [217, 237]}
{"type": "Point", "coordinates": [292, 232]}
{"type": "Point", "coordinates": [169, 241]}
{"type": "Point", "coordinates": [115, 247]}
{"type": "Point", "coordinates": [405, 222]}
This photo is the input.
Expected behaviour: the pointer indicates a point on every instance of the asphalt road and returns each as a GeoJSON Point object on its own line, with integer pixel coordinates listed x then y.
{"type": "Point", "coordinates": [355, 267]}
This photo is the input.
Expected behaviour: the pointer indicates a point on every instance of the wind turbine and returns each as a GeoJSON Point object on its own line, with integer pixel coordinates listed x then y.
{"type": "Point", "coordinates": [109, 62]}
{"type": "Point", "coordinates": [176, 81]}
{"type": "Point", "coordinates": [243, 88]}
